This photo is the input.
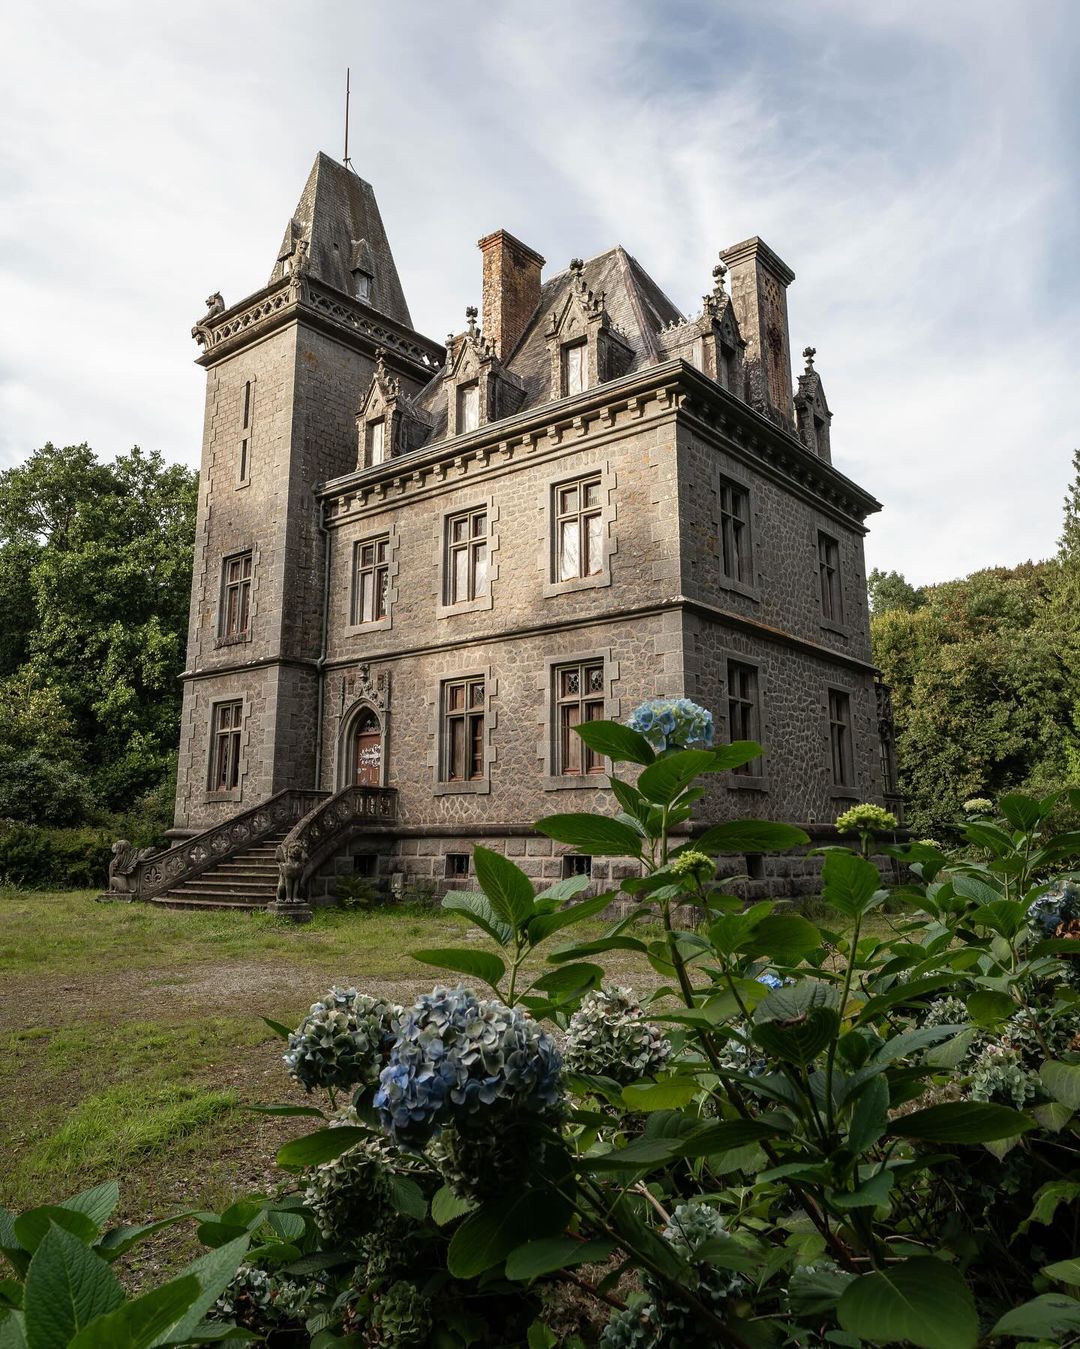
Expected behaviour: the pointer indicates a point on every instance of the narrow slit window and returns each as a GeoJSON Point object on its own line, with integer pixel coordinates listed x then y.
{"type": "Point", "coordinates": [744, 721]}
{"type": "Point", "coordinates": [468, 408]}
{"type": "Point", "coordinates": [463, 730]}
{"type": "Point", "coordinates": [579, 526]}
{"type": "Point", "coordinates": [244, 466]}
{"type": "Point", "coordinates": [579, 697]}
{"type": "Point", "coordinates": [832, 607]}
{"type": "Point", "coordinates": [225, 747]}
{"type": "Point", "coordinates": [735, 556]}
{"type": "Point", "coordinates": [575, 368]}
{"type": "Point", "coordinates": [376, 443]}
{"type": "Point", "coordinates": [842, 765]}
{"type": "Point", "coordinates": [236, 596]}
{"type": "Point", "coordinates": [371, 580]}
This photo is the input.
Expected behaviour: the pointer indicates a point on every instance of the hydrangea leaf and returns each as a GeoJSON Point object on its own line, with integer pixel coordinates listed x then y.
{"type": "Point", "coordinates": [1062, 1081]}
{"type": "Point", "coordinates": [849, 882]}
{"type": "Point", "coordinates": [446, 1206]}
{"type": "Point", "coordinates": [665, 780]}
{"type": "Point", "coordinates": [743, 836]}
{"type": "Point", "coordinates": [506, 886]}
{"type": "Point", "coordinates": [548, 1254]}
{"type": "Point", "coordinates": [801, 1039]}
{"type": "Point", "coordinates": [544, 925]}
{"type": "Point", "coordinates": [962, 1122]}
{"type": "Point", "coordinates": [477, 908]}
{"type": "Point", "coordinates": [596, 835]}
{"type": "Point", "coordinates": [321, 1146]}
{"type": "Point", "coordinates": [923, 1301]}
{"type": "Point", "coordinates": [987, 1007]}
{"type": "Point", "coordinates": [67, 1286]}
{"type": "Point", "coordinates": [140, 1323]}
{"type": "Point", "coordinates": [97, 1203]}
{"type": "Point", "coordinates": [669, 1094]}
{"type": "Point", "coordinates": [487, 1237]}
{"type": "Point", "coordinates": [1053, 1316]}
{"type": "Point", "coordinates": [32, 1226]}
{"type": "Point", "coordinates": [786, 937]}
{"type": "Point", "coordinates": [481, 964]}
{"type": "Point", "coordinates": [618, 742]}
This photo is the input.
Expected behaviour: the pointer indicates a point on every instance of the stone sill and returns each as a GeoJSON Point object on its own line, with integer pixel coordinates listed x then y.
{"type": "Point", "coordinates": [481, 787]}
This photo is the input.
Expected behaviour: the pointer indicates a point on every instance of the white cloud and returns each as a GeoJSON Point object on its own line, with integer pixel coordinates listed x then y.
{"type": "Point", "coordinates": [910, 160]}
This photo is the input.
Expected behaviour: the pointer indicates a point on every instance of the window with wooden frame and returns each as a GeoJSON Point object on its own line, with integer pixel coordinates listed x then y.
{"type": "Point", "coordinates": [468, 407]}
{"type": "Point", "coordinates": [579, 529]}
{"type": "Point", "coordinates": [736, 558]}
{"type": "Point", "coordinates": [832, 602]}
{"type": "Point", "coordinates": [843, 765]}
{"type": "Point", "coordinates": [579, 697]}
{"type": "Point", "coordinates": [375, 443]}
{"type": "Point", "coordinates": [225, 746]}
{"type": "Point", "coordinates": [244, 466]}
{"type": "Point", "coordinates": [575, 368]}
{"type": "Point", "coordinates": [744, 719]}
{"type": "Point", "coordinates": [235, 618]}
{"type": "Point", "coordinates": [466, 556]}
{"type": "Point", "coordinates": [463, 718]}
{"type": "Point", "coordinates": [371, 580]}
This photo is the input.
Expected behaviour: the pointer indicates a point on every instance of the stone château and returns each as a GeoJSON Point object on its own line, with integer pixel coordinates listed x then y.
{"type": "Point", "coordinates": [420, 564]}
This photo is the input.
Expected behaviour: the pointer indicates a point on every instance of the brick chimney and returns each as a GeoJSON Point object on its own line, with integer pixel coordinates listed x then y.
{"type": "Point", "coordinates": [759, 282]}
{"type": "Point", "coordinates": [511, 289]}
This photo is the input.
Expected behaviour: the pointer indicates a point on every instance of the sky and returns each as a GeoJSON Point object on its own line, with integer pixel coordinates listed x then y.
{"type": "Point", "coordinates": [916, 163]}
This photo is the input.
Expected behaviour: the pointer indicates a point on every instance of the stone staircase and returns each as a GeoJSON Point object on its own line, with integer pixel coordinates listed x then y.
{"type": "Point", "coordinates": [245, 880]}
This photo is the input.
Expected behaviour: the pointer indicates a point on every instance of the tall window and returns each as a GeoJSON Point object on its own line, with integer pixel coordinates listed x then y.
{"type": "Point", "coordinates": [236, 596]}
{"type": "Point", "coordinates": [466, 556]}
{"type": "Point", "coordinates": [579, 697]}
{"type": "Point", "coordinates": [245, 432]}
{"type": "Point", "coordinates": [735, 555]}
{"type": "Point", "coordinates": [843, 771]}
{"type": "Point", "coordinates": [361, 284]}
{"type": "Point", "coordinates": [575, 368]}
{"type": "Point", "coordinates": [743, 719]}
{"type": "Point", "coordinates": [463, 730]}
{"type": "Point", "coordinates": [375, 450]}
{"type": "Point", "coordinates": [225, 749]}
{"type": "Point", "coordinates": [579, 529]}
{"type": "Point", "coordinates": [468, 408]}
{"type": "Point", "coordinates": [371, 580]}
{"type": "Point", "coordinates": [832, 607]}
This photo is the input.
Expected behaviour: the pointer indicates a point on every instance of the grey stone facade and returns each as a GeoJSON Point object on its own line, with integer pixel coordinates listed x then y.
{"type": "Point", "coordinates": [669, 417]}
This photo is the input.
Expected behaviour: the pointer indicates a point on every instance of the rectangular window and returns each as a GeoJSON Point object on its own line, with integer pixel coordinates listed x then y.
{"type": "Point", "coordinates": [832, 608]}
{"type": "Point", "coordinates": [457, 865]}
{"type": "Point", "coordinates": [576, 864]}
{"type": "Point", "coordinates": [579, 697]}
{"type": "Point", "coordinates": [466, 556]}
{"type": "Point", "coordinates": [842, 767]}
{"type": "Point", "coordinates": [575, 368]}
{"type": "Point", "coordinates": [744, 722]}
{"type": "Point", "coordinates": [579, 529]}
{"type": "Point", "coordinates": [225, 747]}
{"type": "Point", "coordinates": [463, 730]}
{"type": "Point", "coordinates": [371, 580]}
{"type": "Point", "coordinates": [468, 408]}
{"type": "Point", "coordinates": [735, 556]}
{"type": "Point", "coordinates": [236, 596]}
{"type": "Point", "coordinates": [375, 452]}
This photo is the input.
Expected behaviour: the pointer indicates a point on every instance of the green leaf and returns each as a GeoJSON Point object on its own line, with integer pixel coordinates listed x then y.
{"type": "Point", "coordinates": [800, 1040]}
{"type": "Point", "coordinates": [787, 937]}
{"type": "Point", "coordinates": [872, 1193]}
{"type": "Point", "coordinates": [119, 1240]}
{"type": "Point", "coordinates": [446, 1206]}
{"type": "Point", "coordinates": [648, 1153]}
{"type": "Point", "coordinates": [986, 1007]}
{"type": "Point", "coordinates": [870, 1117]}
{"type": "Point", "coordinates": [962, 1122]}
{"type": "Point", "coordinates": [140, 1324]}
{"type": "Point", "coordinates": [67, 1286]}
{"type": "Point", "coordinates": [594, 948]}
{"type": "Point", "coordinates": [407, 1197]}
{"type": "Point", "coordinates": [666, 779]}
{"type": "Point", "coordinates": [565, 889]}
{"type": "Point", "coordinates": [487, 1236]}
{"type": "Point", "coordinates": [978, 891]}
{"type": "Point", "coordinates": [922, 1301]}
{"type": "Point", "coordinates": [1022, 812]}
{"type": "Point", "coordinates": [288, 1225]}
{"type": "Point", "coordinates": [322, 1146]}
{"type": "Point", "coordinates": [727, 1253]}
{"type": "Point", "coordinates": [13, 1331]}
{"type": "Point", "coordinates": [477, 908]}
{"type": "Point", "coordinates": [213, 1271]}
{"type": "Point", "coordinates": [31, 1226]}
{"type": "Point", "coordinates": [849, 882]}
{"type": "Point", "coordinates": [545, 925]}
{"type": "Point", "coordinates": [480, 964]}
{"type": "Point", "coordinates": [551, 1253]}
{"type": "Point", "coordinates": [749, 836]}
{"type": "Point", "coordinates": [1062, 1081]}
{"type": "Point", "coordinates": [1048, 1199]}
{"type": "Point", "coordinates": [595, 835]}
{"type": "Point", "coordinates": [1064, 1271]}
{"type": "Point", "coordinates": [618, 742]}
{"type": "Point", "coordinates": [506, 886]}
{"type": "Point", "coordinates": [669, 1094]}
{"type": "Point", "coordinates": [283, 1031]}
{"type": "Point", "coordinates": [739, 752]}
{"type": "Point", "coordinates": [539, 1336]}
{"type": "Point", "coordinates": [1004, 916]}
{"type": "Point", "coordinates": [570, 980]}
{"type": "Point", "coordinates": [1052, 1316]}
{"type": "Point", "coordinates": [97, 1203]}
{"type": "Point", "coordinates": [794, 1000]}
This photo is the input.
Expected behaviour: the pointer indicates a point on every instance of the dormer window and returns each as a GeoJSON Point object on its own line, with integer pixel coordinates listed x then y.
{"type": "Point", "coordinates": [468, 407]}
{"type": "Point", "coordinates": [375, 452]}
{"type": "Point", "coordinates": [575, 368]}
{"type": "Point", "coordinates": [361, 285]}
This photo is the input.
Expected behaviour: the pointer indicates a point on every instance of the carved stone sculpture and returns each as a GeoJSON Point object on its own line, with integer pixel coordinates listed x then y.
{"type": "Point", "coordinates": [291, 858]}
{"type": "Point", "coordinates": [215, 305]}
{"type": "Point", "coordinates": [125, 858]}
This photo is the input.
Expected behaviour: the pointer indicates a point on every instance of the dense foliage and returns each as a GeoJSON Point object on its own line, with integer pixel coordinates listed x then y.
{"type": "Point", "coordinates": [985, 674]}
{"type": "Point", "coordinates": [95, 577]}
{"type": "Point", "coordinates": [859, 1133]}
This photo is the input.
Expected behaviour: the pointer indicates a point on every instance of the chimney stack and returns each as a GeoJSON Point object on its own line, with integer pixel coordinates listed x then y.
{"type": "Point", "coordinates": [759, 282]}
{"type": "Point", "coordinates": [511, 290]}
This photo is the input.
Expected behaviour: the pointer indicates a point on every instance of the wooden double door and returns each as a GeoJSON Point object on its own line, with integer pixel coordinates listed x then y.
{"type": "Point", "coordinates": [367, 751]}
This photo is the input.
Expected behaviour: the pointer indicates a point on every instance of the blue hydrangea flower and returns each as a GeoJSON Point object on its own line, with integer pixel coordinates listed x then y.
{"type": "Point", "coordinates": [770, 980]}
{"type": "Point", "coordinates": [456, 1056]}
{"type": "Point", "coordinates": [673, 723]}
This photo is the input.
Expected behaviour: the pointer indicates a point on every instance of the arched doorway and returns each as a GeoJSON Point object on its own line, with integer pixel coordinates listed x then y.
{"type": "Point", "coordinates": [367, 750]}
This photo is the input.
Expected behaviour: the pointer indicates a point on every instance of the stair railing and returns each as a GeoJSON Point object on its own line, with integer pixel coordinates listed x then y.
{"type": "Point", "coordinates": [325, 827]}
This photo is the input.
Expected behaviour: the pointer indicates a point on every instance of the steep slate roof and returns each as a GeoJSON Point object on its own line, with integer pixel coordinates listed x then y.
{"type": "Point", "coordinates": [338, 215]}
{"type": "Point", "coordinates": [635, 304]}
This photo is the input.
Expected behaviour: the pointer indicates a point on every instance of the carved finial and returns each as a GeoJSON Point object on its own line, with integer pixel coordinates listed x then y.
{"type": "Point", "coordinates": [719, 272]}
{"type": "Point", "coordinates": [380, 362]}
{"type": "Point", "coordinates": [577, 267]}
{"type": "Point", "coordinates": [471, 312]}
{"type": "Point", "coordinates": [809, 353]}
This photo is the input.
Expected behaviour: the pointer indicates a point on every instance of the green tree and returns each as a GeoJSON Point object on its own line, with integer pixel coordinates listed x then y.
{"type": "Point", "coordinates": [888, 590]}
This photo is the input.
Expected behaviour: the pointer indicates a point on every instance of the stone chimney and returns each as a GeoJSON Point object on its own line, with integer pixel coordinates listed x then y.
{"type": "Point", "coordinates": [511, 289]}
{"type": "Point", "coordinates": [759, 282]}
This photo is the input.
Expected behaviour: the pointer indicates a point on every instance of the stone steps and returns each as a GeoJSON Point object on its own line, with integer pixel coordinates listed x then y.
{"type": "Point", "coordinates": [245, 881]}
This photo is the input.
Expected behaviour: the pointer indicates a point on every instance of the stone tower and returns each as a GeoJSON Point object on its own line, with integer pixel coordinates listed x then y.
{"type": "Point", "coordinates": [283, 369]}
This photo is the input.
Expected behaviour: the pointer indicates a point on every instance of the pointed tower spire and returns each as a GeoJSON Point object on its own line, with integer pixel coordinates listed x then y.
{"type": "Point", "coordinates": [338, 216]}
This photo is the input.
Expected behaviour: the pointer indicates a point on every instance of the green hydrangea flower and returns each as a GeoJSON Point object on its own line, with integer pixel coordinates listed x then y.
{"type": "Point", "coordinates": [865, 816]}
{"type": "Point", "coordinates": [978, 805]}
{"type": "Point", "coordinates": [608, 1036]}
{"type": "Point", "coordinates": [401, 1316]}
{"type": "Point", "coordinates": [690, 862]}
{"type": "Point", "coordinates": [343, 1041]}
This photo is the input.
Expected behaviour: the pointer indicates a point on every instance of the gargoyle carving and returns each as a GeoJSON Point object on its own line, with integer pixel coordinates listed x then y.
{"type": "Point", "coordinates": [215, 305]}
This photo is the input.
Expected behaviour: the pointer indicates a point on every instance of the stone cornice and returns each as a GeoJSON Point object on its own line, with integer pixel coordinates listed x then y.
{"type": "Point", "coordinates": [678, 387]}
{"type": "Point", "coordinates": [306, 300]}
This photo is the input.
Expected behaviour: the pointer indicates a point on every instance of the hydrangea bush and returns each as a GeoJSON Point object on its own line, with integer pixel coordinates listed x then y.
{"type": "Point", "coordinates": [858, 1132]}
{"type": "Point", "coordinates": [343, 1041]}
